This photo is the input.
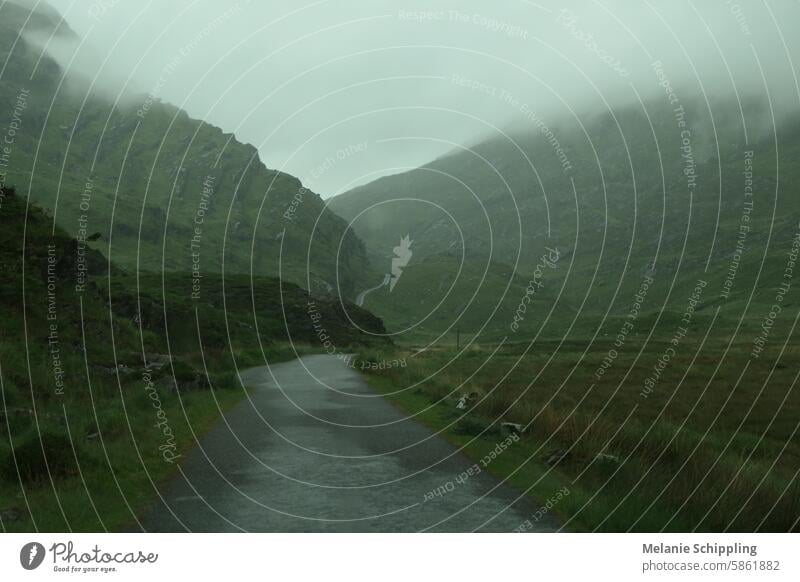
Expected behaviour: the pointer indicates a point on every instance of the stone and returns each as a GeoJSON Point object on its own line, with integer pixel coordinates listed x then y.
{"type": "Point", "coordinates": [10, 515]}
{"type": "Point", "coordinates": [465, 400]}
{"type": "Point", "coordinates": [512, 428]}
{"type": "Point", "coordinates": [556, 456]}
{"type": "Point", "coordinates": [607, 458]}
{"type": "Point", "coordinates": [157, 361]}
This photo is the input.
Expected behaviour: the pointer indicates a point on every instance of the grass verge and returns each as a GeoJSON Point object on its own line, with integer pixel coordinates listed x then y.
{"type": "Point", "coordinates": [685, 459]}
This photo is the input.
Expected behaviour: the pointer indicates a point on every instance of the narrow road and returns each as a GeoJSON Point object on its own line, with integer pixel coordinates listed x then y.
{"type": "Point", "coordinates": [363, 295]}
{"type": "Point", "coordinates": [300, 456]}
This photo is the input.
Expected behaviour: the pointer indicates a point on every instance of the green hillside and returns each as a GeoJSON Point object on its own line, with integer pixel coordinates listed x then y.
{"type": "Point", "coordinates": [645, 203]}
{"type": "Point", "coordinates": [441, 296]}
{"type": "Point", "coordinates": [163, 190]}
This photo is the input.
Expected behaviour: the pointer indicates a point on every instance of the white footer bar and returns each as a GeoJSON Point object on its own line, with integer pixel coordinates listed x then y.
{"type": "Point", "coordinates": [401, 557]}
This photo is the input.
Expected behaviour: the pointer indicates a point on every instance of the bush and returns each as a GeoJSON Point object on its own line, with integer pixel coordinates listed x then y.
{"type": "Point", "coordinates": [110, 423]}
{"type": "Point", "coordinates": [38, 452]}
{"type": "Point", "coordinates": [471, 426]}
{"type": "Point", "coordinates": [183, 371]}
{"type": "Point", "coordinates": [225, 381]}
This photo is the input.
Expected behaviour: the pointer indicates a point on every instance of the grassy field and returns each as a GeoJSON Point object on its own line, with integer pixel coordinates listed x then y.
{"type": "Point", "coordinates": [712, 446]}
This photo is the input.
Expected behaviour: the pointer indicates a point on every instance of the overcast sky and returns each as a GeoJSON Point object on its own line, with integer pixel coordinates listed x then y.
{"type": "Point", "coordinates": [377, 86]}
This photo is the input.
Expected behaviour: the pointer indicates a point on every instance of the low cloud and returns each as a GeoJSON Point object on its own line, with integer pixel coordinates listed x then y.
{"type": "Point", "coordinates": [303, 82]}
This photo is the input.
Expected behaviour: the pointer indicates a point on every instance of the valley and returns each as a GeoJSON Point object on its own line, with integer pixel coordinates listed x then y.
{"type": "Point", "coordinates": [473, 308]}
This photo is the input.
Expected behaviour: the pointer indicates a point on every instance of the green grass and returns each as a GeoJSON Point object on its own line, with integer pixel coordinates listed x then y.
{"type": "Point", "coordinates": [703, 456]}
{"type": "Point", "coordinates": [441, 290]}
{"type": "Point", "coordinates": [111, 490]}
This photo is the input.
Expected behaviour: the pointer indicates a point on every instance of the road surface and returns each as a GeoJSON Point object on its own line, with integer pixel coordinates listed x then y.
{"type": "Point", "coordinates": [363, 295]}
{"type": "Point", "coordinates": [315, 450]}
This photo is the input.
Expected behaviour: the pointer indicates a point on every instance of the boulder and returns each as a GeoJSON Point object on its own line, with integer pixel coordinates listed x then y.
{"type": "Point", "coordinates": [556, 456]}
{"type": "Point", "coordinates": [10, 515]}
{"type": "Point", "coordinates": [606, 458]}
{"type": "Point", "coordinates": [466, 401]}
{"type": "Point", "coordinates": [509, 428]}
{"type": "Point", "coordinates": [156, 361]}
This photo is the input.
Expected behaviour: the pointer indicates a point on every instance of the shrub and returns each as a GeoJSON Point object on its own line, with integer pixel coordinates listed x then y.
{"type": "Point", "coordinates": [110, 423]}
{"type": "Point", "coordinates": [183, 371]}
{"type": "Point", "coordinates": [472, 426]}
{"type": "Point", "coordinates": [38, 452]}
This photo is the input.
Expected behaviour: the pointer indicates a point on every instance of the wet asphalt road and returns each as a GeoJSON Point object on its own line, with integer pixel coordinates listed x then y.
{"type": "Point", "coordinates": [299, 456]}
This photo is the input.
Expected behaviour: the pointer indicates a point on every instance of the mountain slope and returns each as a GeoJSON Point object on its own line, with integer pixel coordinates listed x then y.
{"type": "Point", "coordinates": [161, 188]}
{"type": "Point", "coordinates": [661, 193]}
{"type": "Point", "coordinates": [441, 295]}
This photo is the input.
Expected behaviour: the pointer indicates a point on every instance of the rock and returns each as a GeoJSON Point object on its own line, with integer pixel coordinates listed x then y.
{"type": "Point", "coordinates": [156, 361]}
{"type": "Point", "coordinates": [9, 515]}
{"type": "Point", "coordinates": [199, 383]}
{"type": "Point", "coordinates": [512, 428]}
{"type": "Point", "coordinates": [465, 400]}
{"type": "Point", "coordinates": [124, 369]}
{"type": "Point", "coordinates": [165, 384]}
{"type": "Point", "coordinates": [607, 458]}
{"type": "Point", "coordinates": [556, 456]}
{"type": "Point", "coordinates": [9, 412]}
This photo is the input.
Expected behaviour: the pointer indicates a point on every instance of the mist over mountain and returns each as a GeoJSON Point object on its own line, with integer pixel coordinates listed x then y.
{"type": "Point", "coordinates": [160, 189]}
{"type": "Point", "coordinates": [673, 192]}
{"type": "Point", "coordinates": [585, 139]}
{"type": "Point", "coordinates": [547, 124]}
{"type": "Point", "coordinates": [307, 82]}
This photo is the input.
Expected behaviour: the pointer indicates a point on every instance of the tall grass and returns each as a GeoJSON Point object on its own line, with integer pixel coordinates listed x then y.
{"type": "Point", "coordinates": [682, 466]}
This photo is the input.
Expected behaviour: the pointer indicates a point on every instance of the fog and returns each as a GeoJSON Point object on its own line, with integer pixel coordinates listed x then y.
{"type": "Point", "coordinates": [340, 92]}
